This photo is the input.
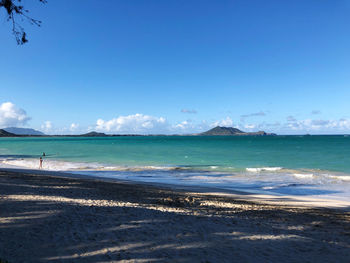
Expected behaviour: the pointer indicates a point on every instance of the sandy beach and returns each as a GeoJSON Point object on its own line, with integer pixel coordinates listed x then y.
{"type": "Point", "coordinates": [49, 218]}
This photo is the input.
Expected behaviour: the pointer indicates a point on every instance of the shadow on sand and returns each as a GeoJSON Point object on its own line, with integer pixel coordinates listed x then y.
{"type": "Point", "coordinates": [52, 219]}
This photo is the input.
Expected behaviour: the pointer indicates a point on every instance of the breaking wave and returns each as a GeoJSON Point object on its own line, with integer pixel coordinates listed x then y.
{"type": "Point", "coordinates": [260, 169]}
{"type": "Point", "coordinates": [275, 180]}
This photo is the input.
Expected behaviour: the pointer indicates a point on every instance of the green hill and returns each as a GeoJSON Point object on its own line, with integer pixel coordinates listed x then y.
{"type": "Point", "coordinates": [4, 133]}
{"type": "Point", "coordinates": [224, 131]}
{"type": "Point", "coordinates": [93, 134]}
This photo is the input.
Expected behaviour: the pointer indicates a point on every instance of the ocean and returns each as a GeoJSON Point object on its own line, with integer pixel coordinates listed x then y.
{"type": "Point", "coordinates": [293, 165]}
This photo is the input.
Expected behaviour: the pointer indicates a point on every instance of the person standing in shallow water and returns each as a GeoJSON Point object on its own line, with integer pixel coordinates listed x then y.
{"type": "Point", "coordinates": [41, 163]}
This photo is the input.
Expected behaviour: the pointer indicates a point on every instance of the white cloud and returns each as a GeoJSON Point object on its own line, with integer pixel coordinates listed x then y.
{"type": "Point", "coordinates": [189, 126]}
{"type": "Point", "coordinates": [74, 127]}
{"type": "Point", "coordinates": [47, 126]}
{"type": "Point", "coordinates": [189, 111]}
{"type": "Point", "coordinates": [228, 122]}
{"type": "Point", "coordinates": [256, 114]}
{"type": "Point", "coordinates": [291, 118]}
{"type": "Point", "coordinates": [250, 126]}
{"type": "Point", "coordinates": [315, 112]}
{"type": "Point", "coordinates": [274, 124]}
{"type": "Point", "coordinates": [184, 125]}
{"type": "Point", "coordinates": [319, 126]}
{"type": "Point", "coordinates": [10, 115]}
{"type": "Point", "coordinates": [137, 123]}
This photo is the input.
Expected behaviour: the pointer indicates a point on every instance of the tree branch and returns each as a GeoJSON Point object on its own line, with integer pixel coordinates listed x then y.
{"type": "Point", "coordinates": [14, 9]}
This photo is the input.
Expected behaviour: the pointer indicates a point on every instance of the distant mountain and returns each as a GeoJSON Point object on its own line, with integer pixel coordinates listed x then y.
{"type": "Point", "coordinates": [4, 133]}
{"type": "Point", "coordinates": [93, 134]}
{"type": "Point", "coordinates": [23, 131]}
{"type": "Point", "coordinates": [218, 131]}
{"type": "Point", "coordinates": [222, 131]}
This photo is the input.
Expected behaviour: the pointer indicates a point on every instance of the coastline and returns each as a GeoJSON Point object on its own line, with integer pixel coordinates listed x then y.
{"type": "Point", "coordinates": [61, 217]}
{"type": "Point", "coordinates": [239, 194]}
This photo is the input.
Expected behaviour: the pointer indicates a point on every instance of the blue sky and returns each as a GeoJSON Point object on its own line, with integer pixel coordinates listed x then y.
{"type": "Point", "coordinates": [179, 66]}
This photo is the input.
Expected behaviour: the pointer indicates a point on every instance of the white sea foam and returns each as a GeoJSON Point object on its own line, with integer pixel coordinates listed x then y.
{"type": "Point", "coordinates": [271, 179]}
{"type": "Point", "coordinates": [50, 164]}
{"type": "Point", "coordinates": [340, 177]}
{"type": "Point", "coordinates": [54, 165]}
{"type": "Point", "coordinates": [303, 176]}
{"type": "Point", "coordinates": [276, 186]}
{"type": "Point", "coordinates": [269, 187]}
{"type": "Point", "coordinates": [260, 169]}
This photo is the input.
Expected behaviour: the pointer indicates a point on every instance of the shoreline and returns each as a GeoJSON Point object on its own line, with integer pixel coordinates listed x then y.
{"type": "Point", "coordinates": [47, 217]}
{"type": "Point", "coordinates": [252, 196]}
{"type": "Point", "coordinates": [52, 217]}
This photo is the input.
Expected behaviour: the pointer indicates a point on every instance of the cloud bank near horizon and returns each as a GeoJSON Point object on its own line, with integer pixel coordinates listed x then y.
{"type": "Point", "coordinates": [11, 115]}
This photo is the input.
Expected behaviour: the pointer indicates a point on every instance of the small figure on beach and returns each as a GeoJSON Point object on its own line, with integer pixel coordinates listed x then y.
{"type": "Point", "coordinates": [41, 163]}
{"type": "Point", "coordinates": [44, 154]}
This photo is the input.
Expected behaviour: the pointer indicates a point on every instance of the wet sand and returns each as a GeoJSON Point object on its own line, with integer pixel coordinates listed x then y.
{"type": "Point", "coordinates": [45, 217]}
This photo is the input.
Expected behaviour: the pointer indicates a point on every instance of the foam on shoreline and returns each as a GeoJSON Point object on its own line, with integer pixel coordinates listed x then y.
{"type": "Point", "coordinates": [237, 193]}
{"type": "Point", "coordinates": [264, 180]}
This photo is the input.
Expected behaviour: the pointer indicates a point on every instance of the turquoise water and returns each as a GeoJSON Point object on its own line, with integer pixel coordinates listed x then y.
{"type": "Point", "coordinates": [321, 162]}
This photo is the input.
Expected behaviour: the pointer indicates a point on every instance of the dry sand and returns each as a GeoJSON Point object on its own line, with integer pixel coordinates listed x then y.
{"type": "Point", "coordinates": [50, 218]}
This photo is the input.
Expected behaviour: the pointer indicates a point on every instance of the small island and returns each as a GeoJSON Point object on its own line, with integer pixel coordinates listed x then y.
{"type": "Point", "coordinates": [230, 131]}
